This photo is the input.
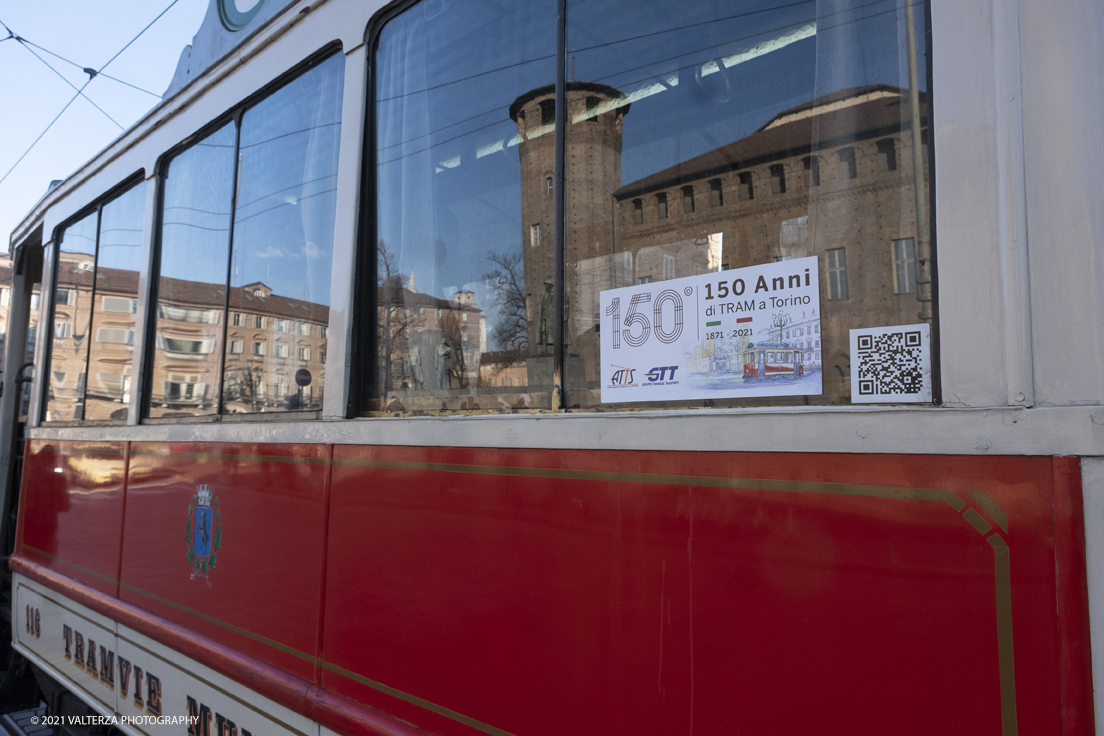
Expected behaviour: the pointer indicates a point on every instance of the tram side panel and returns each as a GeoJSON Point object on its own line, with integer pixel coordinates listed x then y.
{"type": "Point", "coordinates": [657, 592]}
{"type": "Point", "coordinates": [533, 591]}
{"type": "Point", "coordinates": [227, 540]}
{"type": "Point", "coordinates": [71, 510]}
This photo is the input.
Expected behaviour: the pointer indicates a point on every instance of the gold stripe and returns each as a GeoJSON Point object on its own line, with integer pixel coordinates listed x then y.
{"type": "Point", "coordinates": [240, 458]}
{"type": "Point", "coordinates": [1005, 651]}
{"type": "Point", "coordinates": [990, 506]}
{"type": "Point", "coordinates": [752, 484]}
{"type": "Point", "coordinates": [977, 521]}
{"type": "Point", "coordinates": [415, 700]}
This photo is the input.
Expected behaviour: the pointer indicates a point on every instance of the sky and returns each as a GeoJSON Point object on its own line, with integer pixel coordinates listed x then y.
{"type": "Point", "coordinates": [88, 33]}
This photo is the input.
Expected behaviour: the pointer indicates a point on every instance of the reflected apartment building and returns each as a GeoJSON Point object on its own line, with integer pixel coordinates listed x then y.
{"type": "Point", "coordinates": [269, 339]}
{"type": "Point", "coordinates": [831, 178]}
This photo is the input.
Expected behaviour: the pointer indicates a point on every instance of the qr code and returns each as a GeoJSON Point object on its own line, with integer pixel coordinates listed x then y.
{"type": "Point", "coordinates": [890, 363]}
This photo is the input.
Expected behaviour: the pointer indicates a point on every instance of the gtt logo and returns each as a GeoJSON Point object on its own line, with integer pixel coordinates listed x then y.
{"type": "Point", "coordinates": [660, 373]}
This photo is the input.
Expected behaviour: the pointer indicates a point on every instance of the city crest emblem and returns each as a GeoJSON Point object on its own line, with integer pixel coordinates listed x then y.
{"type": "Point", "coordinates": [204, 533]}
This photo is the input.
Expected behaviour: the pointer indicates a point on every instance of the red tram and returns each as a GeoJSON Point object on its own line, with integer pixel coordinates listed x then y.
{"type": "Point", "coordinates": [767, 360]}
{"type": "Point", "coordinates": [313, 439]}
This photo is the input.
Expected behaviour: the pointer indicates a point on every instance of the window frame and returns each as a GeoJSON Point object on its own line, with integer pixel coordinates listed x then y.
{"type": "Point", "coordinates": [362, 341]}
{"type": "Point", "coordinates": [235, 114]}
{"type": "Point", "coordinates": [97, 205]}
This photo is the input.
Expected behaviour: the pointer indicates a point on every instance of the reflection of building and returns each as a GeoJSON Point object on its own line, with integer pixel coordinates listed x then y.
{"type": "Point", "coordinates": [270, 339]}
{"type": "Point", "coordinates": [69, 343]}
{"type": "Point", "coordinates": [831, 178]}
{"type": "Point", "coordinates": [432, 343]}
{"type": "Point", "coordinates": [111, 345]}
{"type": "Point", "coordinates": [593, 170]}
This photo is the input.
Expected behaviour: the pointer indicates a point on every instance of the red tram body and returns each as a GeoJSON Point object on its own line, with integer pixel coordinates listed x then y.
{"type": "Point", "coordinates": [530, 591]}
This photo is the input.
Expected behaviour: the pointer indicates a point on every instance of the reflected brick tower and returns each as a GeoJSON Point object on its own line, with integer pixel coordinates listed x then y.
{"type": "Point", "coordinates": [593, 174]}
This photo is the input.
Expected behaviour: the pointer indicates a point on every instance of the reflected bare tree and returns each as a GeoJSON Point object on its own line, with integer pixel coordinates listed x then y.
{"type": "Point", "coordinates": [511, 330]}
{"type": "Point", "coordinates": [392, 325]}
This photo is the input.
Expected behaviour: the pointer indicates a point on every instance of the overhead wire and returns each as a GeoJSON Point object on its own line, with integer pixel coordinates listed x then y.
{"type": "Point", "coordinates": [82, 88]}
{"type": "Point", "coordinates": [27, 42]}
{"type": "Point", "coordinates": [80, 91]}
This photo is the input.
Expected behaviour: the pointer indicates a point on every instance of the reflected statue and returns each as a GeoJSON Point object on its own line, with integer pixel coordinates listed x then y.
{"type": "Point", "coordinates": [417, 379]}
{"type": "Point", "coordinates": [444, 364]}
{"type": "Point", "coordinates": [545, 317]}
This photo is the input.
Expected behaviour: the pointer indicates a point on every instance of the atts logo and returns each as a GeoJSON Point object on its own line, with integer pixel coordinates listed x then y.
{"type": "Point", "coordinates": [621, 376]}
{"type": "Point", "coordinates": [204, 535]}
{"type": "Point", "coordinates": [660, 373]}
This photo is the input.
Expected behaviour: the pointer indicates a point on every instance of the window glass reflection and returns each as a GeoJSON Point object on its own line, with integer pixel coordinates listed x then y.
{"type": "Point", "coordinates": [283, 245]}
{"type": "Point", "coordinates": [465, 111]}
{"type": "Point", "coordinates": [76, 265]}
{"type": "Point", "coordinates": [191, 285]}
{"type": "Point", "coordinates": [111, 344]}
{"type": "Point", "coordinates": [710, 137]}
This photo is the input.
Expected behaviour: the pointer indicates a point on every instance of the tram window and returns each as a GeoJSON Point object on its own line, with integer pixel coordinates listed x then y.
{"type": "Point", "coordinates": [69, 346]}
{"type": "Point", "coordinates": [463, 308]}
{"type": "Point", "coordinates": [195, 249]}
{"type": "Point", "coordinates": [94, 311]}
{"type": "Point", "coordinates": [456, 188]}
{"type": "Point", "coordinates": [780, 91]}
{"type": "Point", "coordinates": [280, 259]}
{"type": "Point", "coordinates": [284, 227]}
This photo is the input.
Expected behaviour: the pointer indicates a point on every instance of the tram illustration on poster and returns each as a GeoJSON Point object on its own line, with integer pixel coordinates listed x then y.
{"type": "Point", "coordinates": [751, 331]}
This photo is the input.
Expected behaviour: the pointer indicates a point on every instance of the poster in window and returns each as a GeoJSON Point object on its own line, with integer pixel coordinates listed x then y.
{"type": "Point", "coordinates": [724, 334]}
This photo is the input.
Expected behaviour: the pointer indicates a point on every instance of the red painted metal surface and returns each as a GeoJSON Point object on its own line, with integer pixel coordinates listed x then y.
{"type": "Point", "coordinates": [71, 509]}
{"type": "Point", "coordinates": [536, 604]}
{"type": "Point", "coordinates": [1073, 599]}
{"type": "Point", "coordinates": [262, 597]}
{"type": "Point", "coordinates": [541, 592]}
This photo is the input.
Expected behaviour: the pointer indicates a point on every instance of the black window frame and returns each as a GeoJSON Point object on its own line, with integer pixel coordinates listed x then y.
{"type": "Point", "coordinates": [97, 205]}
{"type": "Point", "coordinates": [362, 341]}
{"type": "Point", "coordinates": [234, 114]}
